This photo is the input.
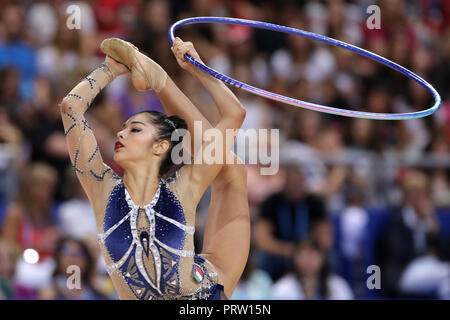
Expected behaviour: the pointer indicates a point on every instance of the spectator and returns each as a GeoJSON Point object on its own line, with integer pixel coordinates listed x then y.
{"type": "Point", "coordinates": [8, 258]}
{"type": "Point", "coordinates": [410, 230]}
{"type": "Point", "coordinates": [440, 183]}
{"type": "Point", "coordinates": [42, 21]}
{"type": "Point", "coordinates": [323, 231]}
{"type": "Point", "coordinates": [363, 175]}
{"type": "Point", "coordinates": [76, 216]}
{"type": "Point", "coordinates": [30, 224]}
{"type": "Point", "coordinates": [77, 219]}
{"type": "Point", "coordinates": [46, 133]}
{"type": "Point", "coordinates": [60, 60]}
{"type": "Point", "coordinates": [426, 276]}
{"type": "Point", "coordinates": [301, 148]}
{"type": "Point", "coordinates": [303, 58]}
{"type": "Point", "coordinates": [10, 97]}
{"type": "Point", "coordinates": [354, 221]}
{"type": "Point", "coordinates": [285, 217]}
{"type": "Point", "coordinates": [15, 52]}
{"type": "Point", "coordinates": [255, 284]}
{"type": "Point", "coordinates": [12, 153]}
{"type": "Point", "coordinates": [73, 253]}
{"type": "Point", "coordinates": [311, 278]}
{"type": "Point", "coordinates": [29, 220]}
{"type": "Point", "coordinates": [329, 143]}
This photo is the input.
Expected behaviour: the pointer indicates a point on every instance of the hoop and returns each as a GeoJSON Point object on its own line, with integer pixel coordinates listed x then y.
{"type": "Point", "coordinates": [300, 103]}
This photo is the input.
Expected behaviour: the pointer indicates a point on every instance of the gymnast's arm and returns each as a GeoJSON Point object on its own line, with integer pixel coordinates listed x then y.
{"type": "Point", "coordinates": [175, 102]}
{"type": "Point", "coordinates": [231, 111]}
{"type": "Point", "coordinates": [94, 175]}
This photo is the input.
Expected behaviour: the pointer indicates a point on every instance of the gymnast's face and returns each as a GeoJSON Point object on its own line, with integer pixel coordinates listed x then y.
{"type": "Point", "coordinates": [137, 142]}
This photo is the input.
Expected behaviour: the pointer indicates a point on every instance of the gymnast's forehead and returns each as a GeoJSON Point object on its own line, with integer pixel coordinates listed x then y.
{"type": "Point", "coordinates": [139, 118]}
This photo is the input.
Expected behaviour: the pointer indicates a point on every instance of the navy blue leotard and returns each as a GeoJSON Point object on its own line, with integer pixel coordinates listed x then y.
{"type": "Point", "coordinates": [145, 245]}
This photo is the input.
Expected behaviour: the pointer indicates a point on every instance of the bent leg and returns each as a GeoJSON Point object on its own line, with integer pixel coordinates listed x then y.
{"type": "Point", "coordinates": [226, 241]}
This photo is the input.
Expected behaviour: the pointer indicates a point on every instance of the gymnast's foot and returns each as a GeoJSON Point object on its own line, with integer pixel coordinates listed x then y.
{"type": "Point", "coordinates": [146, 74]}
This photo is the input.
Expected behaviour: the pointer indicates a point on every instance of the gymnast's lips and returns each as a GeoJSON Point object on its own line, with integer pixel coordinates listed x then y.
{"type": "Point", "coordinates": [118, 145]}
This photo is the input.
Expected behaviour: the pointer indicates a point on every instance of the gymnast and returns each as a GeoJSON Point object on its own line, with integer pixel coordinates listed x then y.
{"type": "Point", "coordinates": [145, 220]}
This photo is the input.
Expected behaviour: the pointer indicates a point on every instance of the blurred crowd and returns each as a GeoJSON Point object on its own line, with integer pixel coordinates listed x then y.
{"type": "Point", "coordinates": [349, 193]}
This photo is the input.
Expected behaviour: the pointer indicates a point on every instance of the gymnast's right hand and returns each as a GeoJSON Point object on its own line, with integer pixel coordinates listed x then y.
{"type": "Point", "coordinates": [117, 68]}
{"type": "Point", "coordinates": [179, 49]}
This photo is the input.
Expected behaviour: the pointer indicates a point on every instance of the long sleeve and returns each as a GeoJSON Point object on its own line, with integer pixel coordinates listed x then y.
{"type": "Point", "coordinates": [94, 175]}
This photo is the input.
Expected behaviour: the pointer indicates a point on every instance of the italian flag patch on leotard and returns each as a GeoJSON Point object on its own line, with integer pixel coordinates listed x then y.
{"type": "Point", "coordinates": [197, 273]}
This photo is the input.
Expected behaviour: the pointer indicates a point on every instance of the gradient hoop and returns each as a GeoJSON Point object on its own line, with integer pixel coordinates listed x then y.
{"type": "Point", "coordinates": [300, 103]}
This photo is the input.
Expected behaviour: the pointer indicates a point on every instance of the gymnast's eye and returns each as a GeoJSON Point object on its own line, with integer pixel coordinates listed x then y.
{"type": "Point", "coordinates": [135, 130]}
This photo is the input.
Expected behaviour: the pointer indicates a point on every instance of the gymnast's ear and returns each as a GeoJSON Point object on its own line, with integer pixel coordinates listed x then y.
{"type": "Point", "coordinates": [161, 147]}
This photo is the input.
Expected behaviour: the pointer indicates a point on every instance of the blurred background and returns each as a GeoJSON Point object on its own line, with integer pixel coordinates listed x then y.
{"type": "Point", "coordinates": [349, 193]}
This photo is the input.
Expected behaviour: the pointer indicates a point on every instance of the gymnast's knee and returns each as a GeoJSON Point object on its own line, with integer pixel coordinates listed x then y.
{"type": "Point", "coordinates": [240, 169]}
{"type": "Point", "coordinates": [236, 170]}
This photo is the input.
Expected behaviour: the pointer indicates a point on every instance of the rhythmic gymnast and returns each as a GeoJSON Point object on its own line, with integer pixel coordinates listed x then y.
{"type": "Point", "coordinates": [146, 222]}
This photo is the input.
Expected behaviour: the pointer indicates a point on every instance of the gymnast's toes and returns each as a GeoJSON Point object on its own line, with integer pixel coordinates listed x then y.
{"type": "Point", "coordinates": [145, 73]}
{"type": "Point", "coordinates": [119, 50]}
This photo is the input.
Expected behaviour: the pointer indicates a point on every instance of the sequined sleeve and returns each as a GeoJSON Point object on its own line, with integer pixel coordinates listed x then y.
{"type": "Point", "coordinates": [94, 175]}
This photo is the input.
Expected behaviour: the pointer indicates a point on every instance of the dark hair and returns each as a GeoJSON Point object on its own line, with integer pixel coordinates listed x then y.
{"type": "Point", "coordinates": [90, 263]}
{"type": "Point", "coordinates": [87, 276]}
{"type": "Point", "coordinates": [310, 241]}
{"type": "Point", "coordinates": [166, 126]}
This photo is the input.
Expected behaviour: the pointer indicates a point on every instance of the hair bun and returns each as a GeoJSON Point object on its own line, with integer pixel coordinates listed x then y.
{"type": "Point", "coordinates": [179, 122]}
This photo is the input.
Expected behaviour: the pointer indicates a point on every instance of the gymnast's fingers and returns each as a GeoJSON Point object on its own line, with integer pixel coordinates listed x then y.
{"type": "Point", "coordinates": [188, 48]}
{"type": "Point", "coordinates": [179, 57]}
{"type": "Point", "coordinates": [178, 45]}
{"type": "Point", "coordinates": [176, 49]}
{"type": "Point", "coordinates": [179, 53]}
{"type": "Point", "coordinates": [184, 47]}
{"type": "Point", "coordinates": [180, 48]}
{"type": "Point", "coordinates": [177, 42]}
{"type": "Point", "coordinates": [193, 53]}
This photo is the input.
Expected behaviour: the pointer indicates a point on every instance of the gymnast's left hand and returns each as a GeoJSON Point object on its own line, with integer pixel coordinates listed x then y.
{"type": "Point", "coordinates": [179, 49]}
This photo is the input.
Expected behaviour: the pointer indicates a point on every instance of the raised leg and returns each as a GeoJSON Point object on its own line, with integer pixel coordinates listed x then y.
{"type": "Point", "coordinates": [226, 241]}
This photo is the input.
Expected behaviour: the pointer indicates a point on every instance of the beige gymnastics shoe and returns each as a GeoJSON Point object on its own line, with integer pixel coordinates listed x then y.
{"type": "Point", "coordinates": [146, 74]}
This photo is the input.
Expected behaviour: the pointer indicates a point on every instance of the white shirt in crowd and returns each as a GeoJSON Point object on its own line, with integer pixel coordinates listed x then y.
{"type": "Point", "coordinates": [289, 288]}
{"type": "Point", "coordinates": [77, 218]}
